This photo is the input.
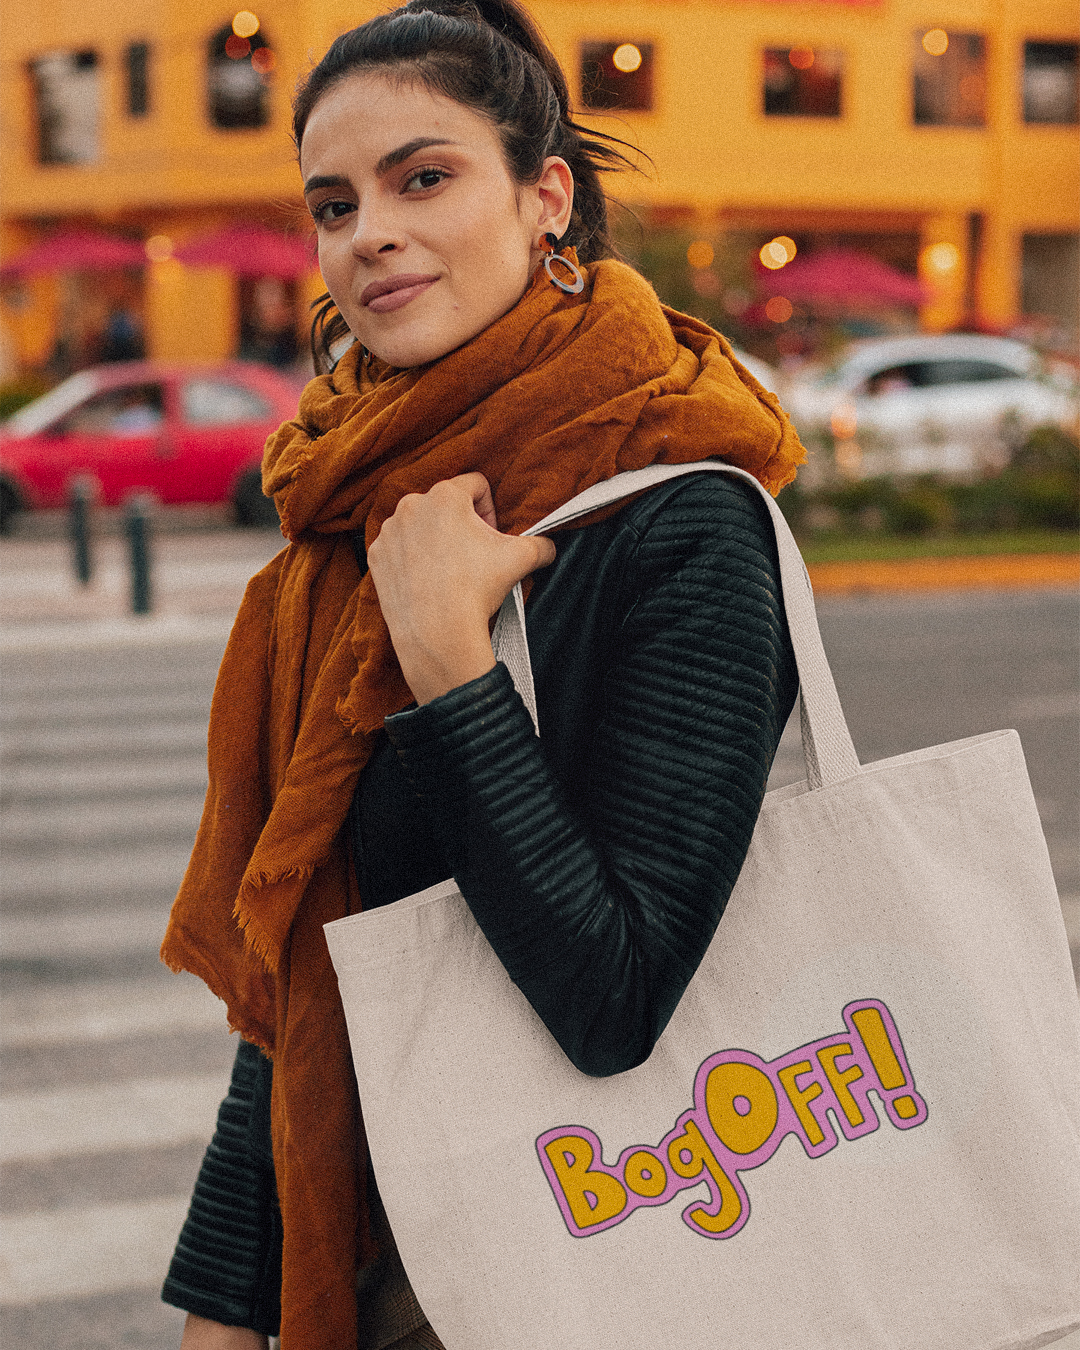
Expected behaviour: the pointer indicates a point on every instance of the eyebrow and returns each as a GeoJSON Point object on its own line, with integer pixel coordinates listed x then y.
{"type": "Point", "coordinates": [389, 161]}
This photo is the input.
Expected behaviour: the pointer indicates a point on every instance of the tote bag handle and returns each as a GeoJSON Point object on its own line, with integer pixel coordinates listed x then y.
{"type": "Point", "coordinates": [827, 746]}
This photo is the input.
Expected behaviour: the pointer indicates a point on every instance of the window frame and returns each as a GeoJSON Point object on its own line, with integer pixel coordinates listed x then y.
{"type": "Point", "coordinates": [774, 47]}
{"type": "Point", "coordinates": [984, 39]}
{"type": "Point", "coordinates": [137, 100]}
{"type": "Point", "coordinates": [1047, 42]}
{"type": "Point", "coordinates": [648, 46]}
{"type": "Point", "coordinates": [213, 62]}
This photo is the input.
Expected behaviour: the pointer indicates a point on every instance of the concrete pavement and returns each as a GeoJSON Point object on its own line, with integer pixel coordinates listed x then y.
{"type": "Point", "coordinates": [112, 1067]}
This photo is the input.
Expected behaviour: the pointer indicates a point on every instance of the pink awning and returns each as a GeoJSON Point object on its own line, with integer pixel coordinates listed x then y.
{"type": "Point", "coordinates": [249, 251]}
{"type": "Point", "coordinates": [842, 274]}
{"type": "Point", "coordinates": [76, 251]}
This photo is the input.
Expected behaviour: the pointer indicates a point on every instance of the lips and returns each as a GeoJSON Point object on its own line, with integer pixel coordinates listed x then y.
{"type": "Point", "coordinates": [394, 292]}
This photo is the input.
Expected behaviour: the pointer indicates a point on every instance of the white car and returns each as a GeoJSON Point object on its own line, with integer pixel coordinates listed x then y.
{"type": "Point", "coordinates": [761, 370]}
{"type": "Point", "coordinates": [955, 405]}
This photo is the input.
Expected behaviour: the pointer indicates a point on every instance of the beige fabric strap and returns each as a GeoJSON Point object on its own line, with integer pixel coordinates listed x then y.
{"type": "Point", "coordinates": [827, 746]}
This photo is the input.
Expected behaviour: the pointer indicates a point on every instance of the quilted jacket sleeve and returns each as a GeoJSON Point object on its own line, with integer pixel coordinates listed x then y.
{"type": "Point", "coordinates": [601, 908]}
{"type": "Point", "coordinates": [227, 1262]}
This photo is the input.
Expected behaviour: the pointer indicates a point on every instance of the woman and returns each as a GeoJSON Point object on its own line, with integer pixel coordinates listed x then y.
{"type": "Point", "coordinates": [364, 743]}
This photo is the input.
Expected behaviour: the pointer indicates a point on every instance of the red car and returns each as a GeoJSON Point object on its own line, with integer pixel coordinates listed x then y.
{"type": "Point", "coordinates": [186, 434]}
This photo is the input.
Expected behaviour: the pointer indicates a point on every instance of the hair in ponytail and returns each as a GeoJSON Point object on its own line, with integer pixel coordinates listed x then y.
{"type": "Point", "coordinates": [487, 55]}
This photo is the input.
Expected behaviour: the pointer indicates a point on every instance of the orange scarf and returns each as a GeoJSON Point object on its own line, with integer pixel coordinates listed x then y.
{"type": "Point", "coordinates": [561, 392]}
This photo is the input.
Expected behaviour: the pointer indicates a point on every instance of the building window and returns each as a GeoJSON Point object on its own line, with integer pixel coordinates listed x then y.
{"type": "Point", "coordinates": [949, 79]}
{"type": "Point", "coordinates": [67, 99]}
{"type": "Point", "coordinates": [802, 82]}
{"type": "Point", "coordinates": [617, 75]}
{"type": "Point", "coordinates": [1051, 268]}
{"type": "Point", "coordinates": [1051, 83]}
{"type": "Point", "coordinates": [137, 69]}
{"type": "Point", "coordinates": [238, 79]}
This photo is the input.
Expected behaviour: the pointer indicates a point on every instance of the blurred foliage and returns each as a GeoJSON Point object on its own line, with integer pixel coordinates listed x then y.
{"type": "Point", "coordinates": [15, 394]}
{"type": "Point", "coordinates": [1038, 490]}
{"type": "Point", "coordinates": [715, 293]}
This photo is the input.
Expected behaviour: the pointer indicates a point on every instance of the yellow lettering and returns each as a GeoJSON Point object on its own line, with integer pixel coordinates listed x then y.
{"type": "Point", "coordinates": [571, 1157]}
{"type": "Point", "coordinates": [644, 1173]}
{"type": "Point", "coordinates": [688, 1153]}
{"type": "Point", "coordinates": [801, 1097]}
{"type": "Point", "coordinates": [742, 1106]}
{"type": "Point", "coordinates": [828, 1055]}
{"type": "Point", "coordinates": [870, 1025]}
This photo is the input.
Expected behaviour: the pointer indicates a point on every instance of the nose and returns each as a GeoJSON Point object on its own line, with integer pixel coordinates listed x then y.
{"type": "Point", "coordinates": [375, 229]}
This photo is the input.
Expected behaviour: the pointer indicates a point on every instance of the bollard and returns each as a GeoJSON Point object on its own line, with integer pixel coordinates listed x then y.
{"type": "Point", "coordinates": [80, 500]}
{"type": "Point", "coordinates": [137, 528]}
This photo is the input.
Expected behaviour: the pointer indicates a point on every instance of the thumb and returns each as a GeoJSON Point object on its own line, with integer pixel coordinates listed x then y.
{"type": "Point", "coordinates": [545, 551]}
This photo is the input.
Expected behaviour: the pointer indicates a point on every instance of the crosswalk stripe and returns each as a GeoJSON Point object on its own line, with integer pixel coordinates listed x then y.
{"type": "Point", "coordinates": [95, 933]}
{"type": "Point", "coordinates": [137, 1113]}
{"type": "Point", "coordinates": [85, 1014]}
{"type": "Point", "coordinates": [79, 877]}
{"type": "Point", "coordinates": [73, 782]}
{"type": "Point", "coordinates": [89, 822]}
{"type": "Point", "coordinates": [108, 743]}
{"type": "Point", "coordinates": [85, 634]}
{"type": "Point", "coordinates": [73, 1253]}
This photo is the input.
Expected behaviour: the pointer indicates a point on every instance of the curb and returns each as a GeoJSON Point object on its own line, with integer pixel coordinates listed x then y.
{"type": "Point", "coordinates": [995, 571]}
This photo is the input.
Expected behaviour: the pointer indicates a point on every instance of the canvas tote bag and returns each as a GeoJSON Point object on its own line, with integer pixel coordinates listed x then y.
{"type": "Point", "coordinates": [859, 1131]}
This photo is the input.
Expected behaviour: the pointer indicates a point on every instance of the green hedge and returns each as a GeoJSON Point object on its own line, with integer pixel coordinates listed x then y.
{"type": "Point", "coordinates": [1039, 490]}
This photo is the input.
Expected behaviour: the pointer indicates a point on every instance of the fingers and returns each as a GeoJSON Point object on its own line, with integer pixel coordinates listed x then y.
{"type": "Point", "coordinates": [480, 491]}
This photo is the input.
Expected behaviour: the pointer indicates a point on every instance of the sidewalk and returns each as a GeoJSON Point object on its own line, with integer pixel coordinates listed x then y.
{"type": "Point", "coordinates": [1000, 571]}
{"type": "Point", "coordinates": [198, 581]}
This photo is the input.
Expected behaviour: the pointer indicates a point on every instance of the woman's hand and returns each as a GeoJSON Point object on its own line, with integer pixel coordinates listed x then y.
{"type": "Point", "coordinates": [202, 1334]}
{"type": "Point", "coordinates": [442, 569]}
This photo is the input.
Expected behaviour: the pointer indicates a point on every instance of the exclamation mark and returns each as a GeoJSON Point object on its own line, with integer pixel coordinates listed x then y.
{"type": "Point", "coordinates": [870, 1025]}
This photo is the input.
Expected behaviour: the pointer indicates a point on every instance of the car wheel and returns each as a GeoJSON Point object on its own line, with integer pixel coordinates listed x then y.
{"type": "Point", "coordinates": [253, 509]}
{"type": "Point", "coordinates": [11, 507]}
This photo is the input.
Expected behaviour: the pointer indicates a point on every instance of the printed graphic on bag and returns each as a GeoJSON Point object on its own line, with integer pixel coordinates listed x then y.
{"type": "Point", "coordinates": [743, 1108]}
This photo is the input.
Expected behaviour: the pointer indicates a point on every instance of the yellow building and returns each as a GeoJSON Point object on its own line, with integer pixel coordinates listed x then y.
{"type": "Point", "coordinates": [937, 133]}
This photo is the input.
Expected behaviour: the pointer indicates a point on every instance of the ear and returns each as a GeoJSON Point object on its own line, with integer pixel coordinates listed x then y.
{"type": "Point", "coordinates": [555, 190]}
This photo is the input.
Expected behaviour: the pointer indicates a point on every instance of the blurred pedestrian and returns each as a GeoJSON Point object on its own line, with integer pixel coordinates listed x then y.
{"type": "Point", "coordinates": [365, 744]}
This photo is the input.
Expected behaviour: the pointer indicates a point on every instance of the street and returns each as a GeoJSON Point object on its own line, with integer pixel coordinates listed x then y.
{"type": "Point", "coordinates": [112, 1067]}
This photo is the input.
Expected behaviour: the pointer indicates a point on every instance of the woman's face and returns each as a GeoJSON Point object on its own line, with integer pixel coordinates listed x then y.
{"type": "Point", "coordinates": [424, 237]}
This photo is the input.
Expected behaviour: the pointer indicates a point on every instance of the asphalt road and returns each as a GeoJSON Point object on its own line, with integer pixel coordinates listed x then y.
{"type": "Point", "coordinates": [112, 1068]}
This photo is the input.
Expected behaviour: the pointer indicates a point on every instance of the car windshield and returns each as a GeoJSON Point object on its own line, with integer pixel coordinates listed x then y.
{"type": "Point", "coordinates": [36, 416]}
{"type": "Point", "coordinates": [133, 410]}
{"type": "Point", "coordinates": [930, 374]}
{"type": "Point", "coordinates": [221, 403]}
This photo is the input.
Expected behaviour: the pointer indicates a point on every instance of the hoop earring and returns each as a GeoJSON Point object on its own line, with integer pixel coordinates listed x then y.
{"type": "Point", "coordinates": [574, 287]}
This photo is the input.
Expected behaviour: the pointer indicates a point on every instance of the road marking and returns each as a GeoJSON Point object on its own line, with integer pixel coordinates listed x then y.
{"type": "Point", "coordinates": [78, 634]}
{"type": "Point", "coordinates": [1038, 707]}
{"type": "Point", "coordinates": [111, 742]}
{"type": "Point", "coordinates": [60, 937]}
{"type": "Point", "coordinates": [75, 782]}
{"type": "Point", "coordinates": [81, 877]}
{"type": "Point", "coordinates": [137, 1113]}
{"type": "Point", "coordinates": [69, 824]}
{"type": "Point", "coordinates": [107, 705]}
{"type": "Point", "coordinates": [85, 1014]}
{"type": "Point", "coordinates": [75, 1253]}
{"type": "Point", "coordinates": [114, 577]}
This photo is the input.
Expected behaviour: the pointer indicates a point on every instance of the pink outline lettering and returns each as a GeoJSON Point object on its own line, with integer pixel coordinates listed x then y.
{"type": "Point", "coordinates": [744, 1107]}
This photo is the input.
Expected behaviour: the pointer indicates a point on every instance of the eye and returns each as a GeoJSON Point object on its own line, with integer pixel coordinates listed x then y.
{"type": "Point", "coordinates": [331, 210]}
{"type": "Point", "coordinates": [424, 179]}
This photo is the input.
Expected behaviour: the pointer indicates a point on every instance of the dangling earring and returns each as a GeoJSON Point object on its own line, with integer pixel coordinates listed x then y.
{"type": "Point", "coordinates": [574, 287]}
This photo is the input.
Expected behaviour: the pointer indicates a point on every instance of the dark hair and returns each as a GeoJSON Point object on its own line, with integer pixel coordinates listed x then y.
{"type": "Point", "coordinates": [487, 55]}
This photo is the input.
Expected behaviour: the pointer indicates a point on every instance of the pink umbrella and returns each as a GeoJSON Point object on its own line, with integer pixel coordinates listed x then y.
{"type": "Point", "coordinates": [76, 251]}
{"type": "Point", "coordinates": [841, 274]}
{"type": "Point", "coordinates": [249, 251]}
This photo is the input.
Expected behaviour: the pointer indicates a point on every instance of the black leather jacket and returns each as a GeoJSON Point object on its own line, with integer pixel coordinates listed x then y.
{"type": "Point", "coordinates": [598, 858]}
